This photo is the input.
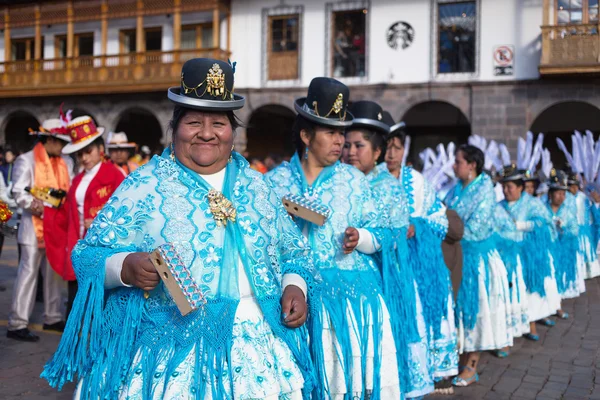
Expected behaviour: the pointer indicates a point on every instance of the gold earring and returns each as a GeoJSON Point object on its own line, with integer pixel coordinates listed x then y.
{"type": "Point", "coordinates": [172, 152]}
{"type": "Point", "coordinates": [231, 154]}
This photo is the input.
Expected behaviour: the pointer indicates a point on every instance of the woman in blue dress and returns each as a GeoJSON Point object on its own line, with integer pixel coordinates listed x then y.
{"type": "Point", "coordinates": [356, 353]}
{"type": "Point", "coordinates": [428, 227]}
{"type": "Point", "coordinates": [568, 257]}
{"type": "Point", "coordinates": [230, 244]}
{"type": "Point", "coordinates": [534, 230]}
{"type": "Point", "coordinates": [364, 146]}
{"type": "Point", "coordinates": [590, 268]}
{"type": "Point", "coordinates": [483, 301]}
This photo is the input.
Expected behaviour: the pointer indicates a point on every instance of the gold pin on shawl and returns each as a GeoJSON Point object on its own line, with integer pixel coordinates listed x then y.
{"type": "Point", "coordinates": [221, 208]}
{"type": "Point", "coordinates": [337, 107]}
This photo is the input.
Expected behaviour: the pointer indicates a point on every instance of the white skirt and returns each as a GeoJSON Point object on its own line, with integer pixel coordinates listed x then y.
{"type": "Point", "coordinates": [575, 289]}
{"type": "Point", "coordinates": [542, 307]}
{"type": "Point", "coordinates": [421, 381]}
{"type": "Point", "coordinates": [491, 332]}
{"type": "Point", "coordinates": [592, 266]}
{"type": "Point", "coordinates": [444, 350]}
{"type": "Point", "coordinates": [262, 366]}
{"type": "Point", "coordinates": [390, 380]}
{"type": "Point", "coordinates": [519, 314]}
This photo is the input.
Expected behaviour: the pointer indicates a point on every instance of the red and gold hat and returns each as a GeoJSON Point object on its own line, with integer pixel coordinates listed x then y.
{"type": "Point", "coordinates": [82, 131]}
{"type": "Point", "coordinates": [55, 127]}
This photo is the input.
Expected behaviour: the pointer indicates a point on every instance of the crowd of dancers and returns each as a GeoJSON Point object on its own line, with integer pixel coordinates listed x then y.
{"type": "Point", "coordinates": [396, 292]}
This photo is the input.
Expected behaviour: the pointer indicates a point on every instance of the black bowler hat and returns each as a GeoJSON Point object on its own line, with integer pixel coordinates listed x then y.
{"type": "Point", "coordinates": [530, 177]}
{"type": "Point", "coordinates": [389, 120]}
{"type": "Point", "coordinates": [368, 114]}
{"type": "Point", "coordinates": [572, 178]}
{"type": "Point", "coordinates": [558, 180]}
{"type": "Point", "coordinates": [206, 84]}
{"type": "Point", "coordinates": [326, 103]}
{"type": "Point", "coordinates": [511, 173]}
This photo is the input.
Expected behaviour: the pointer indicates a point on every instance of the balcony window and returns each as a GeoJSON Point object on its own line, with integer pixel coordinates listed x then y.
{"type": "Point", "coordinates": [593, 10]}
{"type": "Point", "coordinates": [197, 37]}
{"type": "Point", "coordinates": [153, 39]}
{"type": "Point", "coordinates": [85, 45]}
{"type": "Point", "coordinates": [283, 47]}
{"type": "Point", "coordinates": [22, 49]}
{"type": "Point", "coordinates": [576, 12]}
{"type": "Point", "coordinates": [128, 41]}
{"type": "Point", "coordinates": [457, 32]}
{"type": "Point", "coordinates": [348, 43]}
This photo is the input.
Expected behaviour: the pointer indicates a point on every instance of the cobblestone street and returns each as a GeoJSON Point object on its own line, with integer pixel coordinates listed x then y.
{"type": "Point", "coordinates": [565, 364]}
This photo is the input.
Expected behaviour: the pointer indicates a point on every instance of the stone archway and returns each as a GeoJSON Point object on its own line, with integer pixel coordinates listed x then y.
{"type": "Point", "coordinates": [15, 130]}
{"type": "Point", "coordinates": [433, 122]}
{"type": "Point", "coordinates": [141, 127]}
{"type": "Point", "coordinates": [561, 120]}
{"type": "Point", "coordinates": [269, 132]}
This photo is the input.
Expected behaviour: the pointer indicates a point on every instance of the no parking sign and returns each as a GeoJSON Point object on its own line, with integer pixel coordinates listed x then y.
{"type": "Point", "coordinates": [504, 57]}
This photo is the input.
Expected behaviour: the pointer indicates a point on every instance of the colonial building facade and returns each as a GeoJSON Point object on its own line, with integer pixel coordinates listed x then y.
{"type": "Point", "coordinates": [447, 68]}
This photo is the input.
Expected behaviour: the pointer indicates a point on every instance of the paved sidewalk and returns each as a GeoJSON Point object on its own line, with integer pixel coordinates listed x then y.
{"type": "Point", "coordinates": [565, 364]}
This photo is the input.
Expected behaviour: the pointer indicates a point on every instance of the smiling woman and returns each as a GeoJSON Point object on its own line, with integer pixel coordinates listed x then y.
{"type": "Point", "coordinates": [244, 254]}
{"type": "Point", "coordinates": [203, 141]}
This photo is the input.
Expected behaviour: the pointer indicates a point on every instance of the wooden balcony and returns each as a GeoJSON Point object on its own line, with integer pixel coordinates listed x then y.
{"type": "Point", "coordinates": [134, 72]}
{"type": "Point", "coordinates": [570, 49]}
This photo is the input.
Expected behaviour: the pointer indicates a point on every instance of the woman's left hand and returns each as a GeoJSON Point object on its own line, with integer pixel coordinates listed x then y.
{"type": "Point", "coordinates": [411, 231]}
{"type": "Point", "coordinates": [350, 240]}
{"type": "Point", "coordinates": [293, 307]}
{"type": "Point", "coordinates": [87, 223]}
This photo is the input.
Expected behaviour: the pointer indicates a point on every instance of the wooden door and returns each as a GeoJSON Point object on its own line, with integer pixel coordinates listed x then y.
{"type": "Point", "coordinates": [283, 47]}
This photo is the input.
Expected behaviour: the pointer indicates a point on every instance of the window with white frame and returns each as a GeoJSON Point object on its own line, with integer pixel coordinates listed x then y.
{"type": "Point", "coordinates": [281, 53]}
{"type": "Point", "coordinates": [346, 35]}
{"type": "Point", "coordinates": [456, 35]}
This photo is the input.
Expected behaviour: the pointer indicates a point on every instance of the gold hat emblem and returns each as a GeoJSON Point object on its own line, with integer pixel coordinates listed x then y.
{"type": "Point", "coordinates": [86, 129]}
{"type": "Point", "coordinates": [215, 81]}
{"type": "Point", "coordinates": [338, 104]}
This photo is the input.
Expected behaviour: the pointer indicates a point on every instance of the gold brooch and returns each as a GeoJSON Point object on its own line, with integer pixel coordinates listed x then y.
{"type": "Point", "coordinates": [221, 208]}
{"type": "Point", "coordinates": [215, 81]}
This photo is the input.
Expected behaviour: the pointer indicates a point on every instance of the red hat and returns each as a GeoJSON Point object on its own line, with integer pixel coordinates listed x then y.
{"type": "Point", "coordinates": [82, 131]}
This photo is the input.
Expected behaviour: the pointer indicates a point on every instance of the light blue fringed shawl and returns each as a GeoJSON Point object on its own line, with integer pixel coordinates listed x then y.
{"type": "Point", "coordinates": [586, 221]}
{"type": "Point", "coordinates": [475, 205]}
{"type": "Point", "coordinates": [393, 261]}
{"type": "Point", "coordinates": [566, 246]}
{"type": "Point", "coordinates": [535, 243]}
{"type": "Point", "coordinates": [349, 281]}
{"type": "Point", "coordinates": [508, 241]}
{"type": "Point", "coordinates": [428, 216]}
{"type": "Point", "coordinates": [164, 202]}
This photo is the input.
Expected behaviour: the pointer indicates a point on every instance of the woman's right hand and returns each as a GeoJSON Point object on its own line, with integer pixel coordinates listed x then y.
{"type": "Point", "coordinates": [139, 271]}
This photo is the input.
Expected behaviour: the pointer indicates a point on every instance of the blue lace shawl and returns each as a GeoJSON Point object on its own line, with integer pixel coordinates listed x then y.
{"type": "Point", "coordinates": [162, 202]}
{"type": "Point", "coordinates": [475, 205]}
{"type": "Point", "coordinates": [567, 242]}
{"type": "Point", "coordinates": [536, 264]}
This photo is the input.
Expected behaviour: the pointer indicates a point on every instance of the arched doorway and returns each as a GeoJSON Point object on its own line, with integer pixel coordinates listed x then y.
{"type": "Point", "coordinates": [141, 127]}
{"type": "Point", "coordinates": [561, 120]}
{"type": "Point", "coordinates": [269, 132]}
{"type": "Point", "coordinates": [16, 131]}
{"type": "Point", "coordinates": [434, 122]}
